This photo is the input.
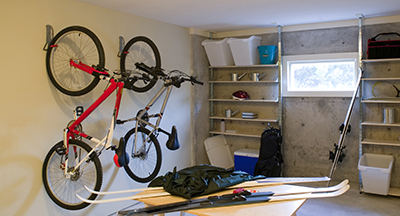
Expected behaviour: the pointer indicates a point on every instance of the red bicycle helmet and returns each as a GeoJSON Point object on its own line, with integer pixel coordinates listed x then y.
{"type": "Point", "coordinates": [240, 95]}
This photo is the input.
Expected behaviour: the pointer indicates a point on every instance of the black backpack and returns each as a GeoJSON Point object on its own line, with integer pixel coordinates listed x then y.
{"type": "Point", "coordinates": [270, 156]}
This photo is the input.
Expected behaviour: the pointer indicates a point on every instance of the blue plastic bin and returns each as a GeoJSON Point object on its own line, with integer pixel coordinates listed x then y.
{"type": "Point", "coordinates": [267, 54]}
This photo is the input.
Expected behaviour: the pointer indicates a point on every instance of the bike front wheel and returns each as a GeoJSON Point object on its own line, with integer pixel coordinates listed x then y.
{"type": "Point", "coordinates": [61, 188]}
{"type": "Point", "coordinates": [145, 155]}
{"type": "Point", "coordinates": [79, 44]}
{"type": "Point", "coordinates": [140, 50]}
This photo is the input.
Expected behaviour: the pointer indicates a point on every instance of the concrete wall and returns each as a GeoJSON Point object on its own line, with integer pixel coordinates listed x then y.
{"type": "Point", "coordinates": [200, 105]}
{"type": "Point", "coordinates": [310, 124]}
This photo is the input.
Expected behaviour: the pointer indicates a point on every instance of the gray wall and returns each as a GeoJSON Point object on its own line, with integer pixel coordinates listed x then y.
{"type": "Point", "coordinates": [310, 124]}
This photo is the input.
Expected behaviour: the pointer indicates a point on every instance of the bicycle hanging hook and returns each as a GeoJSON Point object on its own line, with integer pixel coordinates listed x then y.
{"type": "Point", "coordinates": [49, 36]}
{"type": "Point", "coordinates": [121, 42]}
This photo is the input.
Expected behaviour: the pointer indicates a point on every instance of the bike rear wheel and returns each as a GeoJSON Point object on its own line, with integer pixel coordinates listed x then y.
{"type": "Point", "coordinates": [140, 50]}
{"type": "Point", "coordinates": [79, 44]}
{"type": "Point", "coordinates": [63, 190]}
{"type": "Point", "coordinates": [145, 160]}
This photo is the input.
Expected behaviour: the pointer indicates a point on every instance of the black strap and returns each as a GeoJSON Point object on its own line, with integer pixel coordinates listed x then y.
{"type": "Point", "coordinates": [387, 33]}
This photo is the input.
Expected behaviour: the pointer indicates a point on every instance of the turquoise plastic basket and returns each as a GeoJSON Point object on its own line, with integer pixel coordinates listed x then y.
{"type": "Point", "coordinates": [267, 54]}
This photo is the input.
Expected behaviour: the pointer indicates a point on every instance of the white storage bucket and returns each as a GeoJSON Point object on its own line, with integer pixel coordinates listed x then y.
{"type": "Point", "coordinates": [218, 52]}
{"type": "Point", "coordinates": [218, 152]}
{"type": "Point", "coordinates": [375, 171]}
{"type": "Point", "coordinates": [245, 51]}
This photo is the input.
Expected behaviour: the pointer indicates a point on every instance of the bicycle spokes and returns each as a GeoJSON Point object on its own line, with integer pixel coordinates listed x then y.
{"type": "Point", "coordinates": [63, 179]}
{"type": "Point", "coordinates": [145, 153]}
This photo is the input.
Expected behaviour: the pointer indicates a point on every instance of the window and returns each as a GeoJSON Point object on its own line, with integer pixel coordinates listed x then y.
{"type": "Point", "coordinates": [322, 75]}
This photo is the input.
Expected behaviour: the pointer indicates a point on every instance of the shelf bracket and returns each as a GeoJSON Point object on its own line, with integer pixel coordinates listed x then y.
{"type": "Point", "coordinates": [359, 16]}
{"type": "Point", "coordinates": [49, 36]}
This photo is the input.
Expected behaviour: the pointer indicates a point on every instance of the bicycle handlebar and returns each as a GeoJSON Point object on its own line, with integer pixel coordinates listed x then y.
{"type": "Point", "coordinates": [169, 80]}
{"type": "Point", "coordinates": [151, 70]}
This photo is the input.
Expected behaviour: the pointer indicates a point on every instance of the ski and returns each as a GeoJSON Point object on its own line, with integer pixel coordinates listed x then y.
{"type": "Point", "coordinates": [124, 191]}
{"type": "Point", "coordinates": [344, 130]}
{"type": "Point", "coordinates": [264, 182]}
{"type": "Point", "coordinates": [293, 179]}
{"type": "Point", "coordinates": [243, 197]}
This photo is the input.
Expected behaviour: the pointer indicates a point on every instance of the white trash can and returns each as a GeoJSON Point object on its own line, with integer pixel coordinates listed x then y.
{"type": "Point", "coordinates": [376, 170]}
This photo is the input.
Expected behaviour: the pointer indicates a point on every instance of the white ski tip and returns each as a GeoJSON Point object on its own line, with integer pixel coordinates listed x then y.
{"type": "Point", "coordinates": [84, 200]}
{"type": "Point", "coordinates": [123, 191]}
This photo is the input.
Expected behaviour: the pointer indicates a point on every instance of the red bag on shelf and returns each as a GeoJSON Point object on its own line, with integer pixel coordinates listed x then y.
{"type": "Point", "coordinates": [384, 48]}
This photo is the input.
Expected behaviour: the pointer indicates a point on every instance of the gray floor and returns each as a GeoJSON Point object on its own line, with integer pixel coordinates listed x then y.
{"type": "Point", "coordinates": [352, 203]}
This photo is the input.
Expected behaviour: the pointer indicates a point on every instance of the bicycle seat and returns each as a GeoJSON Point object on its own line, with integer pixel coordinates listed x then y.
{"type": "Point", "coordinates": [121, 158]}
{"type": "Point", "coordinates": [172, 142]}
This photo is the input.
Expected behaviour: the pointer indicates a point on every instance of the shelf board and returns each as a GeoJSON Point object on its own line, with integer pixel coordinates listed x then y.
{"type": "Point", "coordinates": [381, 79]}
{"type": "Point", "coordinates": [247, 66]}
{"type": "Point", "coordinates": [246, 101]}
{"type": "Point", "coordinates": [244, 82]}
{"type": "Point", "coordinates": [380, 60]}
{"type": "Point", "coordinates": [242, 119]}
{"type": "Point", "coordinates": [380, 124]}
{"type": "Point", "coordinates": [237, 134]}
{"type": "Point", "coordinates": [380, 142]}
{"type": "Point", "coordinates": [382, 100]}
{"type": "Point", "coordinates": [394, 191]}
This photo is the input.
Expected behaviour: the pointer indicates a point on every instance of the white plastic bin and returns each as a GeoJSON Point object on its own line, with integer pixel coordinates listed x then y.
{"type": "Point", "coordinates": [246, 159]}
{"type": "Point", "coordinates": [245, 51]}
{"type": "Point", "coordinates": [218, 151]}
{"type": "Point", "coordinates": [218, 52]}
{"type": "Point", "coordinates": [375, 171]}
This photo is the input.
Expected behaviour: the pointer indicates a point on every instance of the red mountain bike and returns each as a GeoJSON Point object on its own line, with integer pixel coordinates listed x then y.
{"type": "Point", "coordinates": [71, 164]}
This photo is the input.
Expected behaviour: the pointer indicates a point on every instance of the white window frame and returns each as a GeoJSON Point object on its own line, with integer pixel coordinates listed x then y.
{"type": "Point", "coordinates": [287, 60]}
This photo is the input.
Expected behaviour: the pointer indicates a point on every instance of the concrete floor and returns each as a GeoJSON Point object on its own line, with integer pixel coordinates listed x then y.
{"type": "Point", "coordinates": [352, 203]}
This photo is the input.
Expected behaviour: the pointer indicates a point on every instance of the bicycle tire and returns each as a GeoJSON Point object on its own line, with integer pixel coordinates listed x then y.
{"type": "Point", "coordinates": [140, 50]}
{"type": "Point", "coordinates": [77, 43]}
{"type": "Point", "coordinates": [142, 167]}
{"type": "Point", "coordinates": [63, 190]}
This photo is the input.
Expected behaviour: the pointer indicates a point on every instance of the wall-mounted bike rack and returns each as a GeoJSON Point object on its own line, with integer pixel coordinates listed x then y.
{"type": "Point", "coordinates": [121, 43]}
{"type": "Point", "coordinates": [49, 36]}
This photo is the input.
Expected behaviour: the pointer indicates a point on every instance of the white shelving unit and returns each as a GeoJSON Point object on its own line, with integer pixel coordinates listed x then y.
{"type": "Point", "coordinates": [372, 129]}
{"type": "Point", "coordinates": [262, 118]}
{"type": "Point", "coordinates": [220, 83]}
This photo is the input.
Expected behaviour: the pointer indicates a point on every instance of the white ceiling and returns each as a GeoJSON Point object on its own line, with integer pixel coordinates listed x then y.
{"type": "Point", "coordinates": [229, 15]}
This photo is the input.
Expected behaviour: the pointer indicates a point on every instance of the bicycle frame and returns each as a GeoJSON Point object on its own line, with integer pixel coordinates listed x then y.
{"type": "Point", "coordinates": [159, 115]}
{"type": "Point", "coordinates": [71, 131]}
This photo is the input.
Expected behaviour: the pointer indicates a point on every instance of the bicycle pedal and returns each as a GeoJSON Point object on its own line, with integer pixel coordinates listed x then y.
{"type": "Point", "coordinates": [113, 147]}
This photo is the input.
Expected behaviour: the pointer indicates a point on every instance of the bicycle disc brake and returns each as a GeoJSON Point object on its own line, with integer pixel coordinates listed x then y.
{"type": "Point", "coordinates": [78, 128]}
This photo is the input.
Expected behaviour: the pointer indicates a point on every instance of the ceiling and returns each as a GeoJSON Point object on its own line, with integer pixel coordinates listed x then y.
{"type": "Point", "coordinates": [230, 15]}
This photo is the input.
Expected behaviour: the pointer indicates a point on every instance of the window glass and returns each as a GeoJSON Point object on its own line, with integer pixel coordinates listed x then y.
{"type": "Point", "coordinates": [326, 75]}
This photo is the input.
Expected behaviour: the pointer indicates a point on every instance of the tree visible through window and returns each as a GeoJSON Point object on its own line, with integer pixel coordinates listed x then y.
{"type": "Point", "coordinates": [322, 75]}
